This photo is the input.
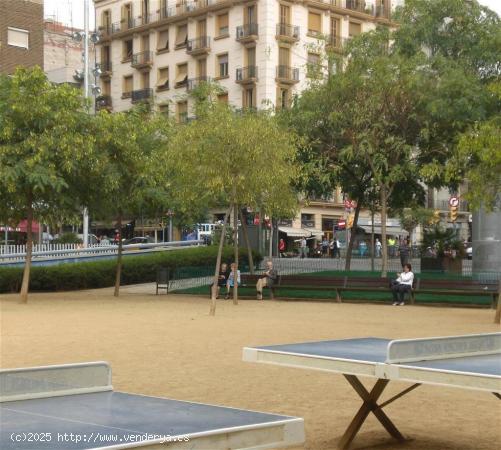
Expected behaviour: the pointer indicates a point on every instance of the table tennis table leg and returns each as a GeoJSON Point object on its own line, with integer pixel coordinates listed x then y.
{"type": "Point", "coordinates": [369, 405]}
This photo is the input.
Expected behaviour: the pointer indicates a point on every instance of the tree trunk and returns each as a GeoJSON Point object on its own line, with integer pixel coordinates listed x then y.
{"type": "Point", "coordinates": [29, 250]}
{"type": "Point", "coordinates": [270, 255]}
{"type": "Point", "coordinates": [349, 250]}
{"type": "Point", "coordinates": [497, 317]}
{"type": "Point", "coordinates": [372, 237]}
{"type": "Point", "coordinates": [235, 244]}
{"type": "Point", "coordinates": [212, 311]}
{"type": "Point", "coordinates": [119, 257]}
{"type": "Point", "coordinates": [384, 268]}
{"type": "Point", "coordinates": [247, 243]}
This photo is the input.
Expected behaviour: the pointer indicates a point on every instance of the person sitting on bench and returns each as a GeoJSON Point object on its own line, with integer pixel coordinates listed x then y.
{"type": "Point", "coordinates": [222, 278]}
{"type": "Point", "coordinates": [270, 276]}
{"type": "Point", "coordinates": [402, 285]}
{"type": "Point", "coordinates": [231, 280]}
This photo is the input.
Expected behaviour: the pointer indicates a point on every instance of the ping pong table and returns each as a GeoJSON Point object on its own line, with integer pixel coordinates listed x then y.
{"type": "Point", "coordinates": [74, 406]}
{"type": "Point", "coordinates": [469, 362]}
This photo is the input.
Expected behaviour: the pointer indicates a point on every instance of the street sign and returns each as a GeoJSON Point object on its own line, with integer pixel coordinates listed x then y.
{"type": "Point", "coordinates": [454, 202]}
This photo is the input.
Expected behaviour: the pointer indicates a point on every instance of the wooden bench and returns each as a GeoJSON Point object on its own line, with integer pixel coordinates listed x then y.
{"type": "Point", "coordinates": [249, 281]}
{"type": "Point", "coordinates": [376, 284]}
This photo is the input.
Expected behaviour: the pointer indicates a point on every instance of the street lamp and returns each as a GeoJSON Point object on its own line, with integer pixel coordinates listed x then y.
{"type": "Point", "coordinates": [169, 214]}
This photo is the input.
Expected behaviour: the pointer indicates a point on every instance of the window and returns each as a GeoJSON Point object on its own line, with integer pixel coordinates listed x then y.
{"type": "Point", "coordinates": [223, 98]}
{"type": "Point", "coordinates": [163, 40]}
{"type": "Point", "coordinates": [145, 80]}
{"type": "Point", "coordinates": [251, 56]}
{"type": "Point", "coordinates": [106, 19]}
{"type": "Point", "coordinates": [222, 28]}
{"type": "Point", "coordinates": [145, 42]}
{"type": "Point", "coordinates": [283, 98]}
{"type": "Point", "coordinates": [163, 79]}
{"type": "Point", "coordinates": [248, 98]}
{"type": "Point", "coordinates": [335, 27]}
{"type": "Point", "coordinates": [182, 36]}
{"type": "Point", "coordinates": [182, 112]}
{"type": "Point", "coordinates": [250, 14]}
{"type": "Point", "coordinates": [355, 29]}
{"type": "Point", "coordinates": [202, 68]}
{"type": "Point", "coordinates": [283, 56]}
{"type": "Point", "coordinates": [18, 38]}
{"type": "Point", "coordinates": [222, 63]}
{"type": "Point", "coordinates": [313, 67]}
{"type": "Point", "coordinates": [128, 86]}
{"type": "Point", "coordinates": [285, 14]}
{"type": "Point", "coordinates": [127, 49]}
{"type": "Point", "coordinates": [106, 84]}
{"type": "Point", "coordinates": [314, 24]}
{"type": "Point", "coordinates": [164, 109]}
{"type": "Point", "coordinates": [201, 28]}
{"type": "Point", "coordinates": [182, 75]}
{"type": "Point", "coordinates": [127, 15]}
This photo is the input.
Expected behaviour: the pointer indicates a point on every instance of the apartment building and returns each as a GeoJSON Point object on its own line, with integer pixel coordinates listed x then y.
{"type": "Point", "coordinates": [63, 55]}
{"type": "Point", "coordinates": [21, 34]}
{"type": "Point", "coordinates": [259, 51]}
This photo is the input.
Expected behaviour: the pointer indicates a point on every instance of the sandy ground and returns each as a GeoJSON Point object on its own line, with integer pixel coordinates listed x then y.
{"type": "Point", "coordinates": [169, 346]}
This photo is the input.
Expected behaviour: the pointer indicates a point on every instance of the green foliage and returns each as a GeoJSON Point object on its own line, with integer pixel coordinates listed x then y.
{"type": "Point", "coordinates": [136, 269]}
{"type": "Point", "coordinates": [68, 238]}
{"type": "Point", "coordinates": [228, 157]}
{"type": "Point", "coordinates": [443, 241]}
{"type": "Point", "coordinates": [412, 217]}
{"type": "Point", "coordinates": [44, 139]}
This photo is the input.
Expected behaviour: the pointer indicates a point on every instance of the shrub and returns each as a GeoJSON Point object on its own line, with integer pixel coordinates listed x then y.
{"type": "Point", "coordinates": [68, 238]}
{"type": "Point", "coordinates": [186, 263]}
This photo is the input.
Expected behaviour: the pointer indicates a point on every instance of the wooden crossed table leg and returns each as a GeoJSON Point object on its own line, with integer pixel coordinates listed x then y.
{"type": "Point", "coordinates": [370, 405]}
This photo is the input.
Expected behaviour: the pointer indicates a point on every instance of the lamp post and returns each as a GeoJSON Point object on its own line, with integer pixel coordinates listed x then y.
{"type": "Point", "coordinates": [169, 214]}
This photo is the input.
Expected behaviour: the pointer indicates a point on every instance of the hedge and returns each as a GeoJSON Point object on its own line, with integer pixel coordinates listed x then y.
{"type": "Point", "coordinates": [136, 269]}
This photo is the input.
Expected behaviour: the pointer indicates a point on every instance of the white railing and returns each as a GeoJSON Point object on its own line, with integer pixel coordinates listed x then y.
{"type": "Point", "coordinates": [49, 251]}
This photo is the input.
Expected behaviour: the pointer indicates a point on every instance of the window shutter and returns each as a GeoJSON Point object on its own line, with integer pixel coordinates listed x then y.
{"type": "Point", "coordinates": [314, 23]}
{"type": "Point", "coordinates": [163, 40]}
{"type": "Point", "coordinates": [18, 38]}
{"type": "Point", "coordinates": [355, 29]}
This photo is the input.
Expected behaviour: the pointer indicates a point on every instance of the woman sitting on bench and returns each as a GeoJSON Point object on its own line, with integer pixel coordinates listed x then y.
{"type": "Point", "coordinates": [402, 285]}
{"type": "Point", "coordinates": [230, 284]}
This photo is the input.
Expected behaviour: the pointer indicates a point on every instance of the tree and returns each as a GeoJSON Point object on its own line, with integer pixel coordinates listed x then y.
{"type": "Point", "coordinates": [44, 145]}
{"type": "Point", "coordinates": [234, 159]}
{"type": "Point", "coordinates": [132, 175]}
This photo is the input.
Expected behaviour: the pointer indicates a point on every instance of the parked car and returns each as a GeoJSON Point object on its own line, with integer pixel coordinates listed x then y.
{"type": "Point", "coordinates": [137, 240]}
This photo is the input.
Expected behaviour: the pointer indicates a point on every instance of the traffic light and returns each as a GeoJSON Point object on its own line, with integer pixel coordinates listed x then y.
{"type": "Point", "coordinates": [435, 218]}
{"type": "Point", "coordinates": [349, 221]}
{"type": "Point", "coordinates": [454, 213]}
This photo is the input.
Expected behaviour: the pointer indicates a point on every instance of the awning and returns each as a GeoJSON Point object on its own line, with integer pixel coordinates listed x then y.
{"type": "Point", "coordinates": [319, 234]}
{"type": "Point", "coordinates": [23, 226]}
{"type": "Point", "coordinates": [295, 232]}
{"type": "Point", "coordinates": [391, 231]}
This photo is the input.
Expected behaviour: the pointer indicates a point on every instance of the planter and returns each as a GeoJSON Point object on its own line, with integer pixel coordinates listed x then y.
{"type": "Point", "coordinates": [442, 264]}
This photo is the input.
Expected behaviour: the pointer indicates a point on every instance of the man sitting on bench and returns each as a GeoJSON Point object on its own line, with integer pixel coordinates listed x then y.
{"type": "Point", "coordinates": [402, 285]}
{"type": "Point", "coordinates": [270, 276]}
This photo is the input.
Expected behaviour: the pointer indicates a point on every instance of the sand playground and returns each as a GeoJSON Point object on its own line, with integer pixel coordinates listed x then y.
{"type": "Point", "coordinates": [169, 346]}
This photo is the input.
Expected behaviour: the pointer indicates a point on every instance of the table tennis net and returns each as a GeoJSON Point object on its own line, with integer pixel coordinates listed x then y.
{"type": "Point", "coordinates": [52, 381]}
{"type": "Point", "coordinates": [414, 350]}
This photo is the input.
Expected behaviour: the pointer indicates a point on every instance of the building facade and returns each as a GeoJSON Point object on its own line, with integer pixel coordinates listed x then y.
{"type": "Point", "coordinates": [259, 51]}
{"type": "Point", "coordinates": [21, 34]}
{"type": "Point", "coordinates": [63, 55]}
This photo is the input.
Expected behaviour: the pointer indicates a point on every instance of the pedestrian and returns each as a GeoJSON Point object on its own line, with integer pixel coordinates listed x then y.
{"type": "Point", "coordinates": [378, 246]}
{"type": "Point", "coordinates": [269, 279]}
{"type": "Point", "coordinates": [403, 250]}
{"type": "Point", "coordinates": [230, 283]}
{"type": "Point", "coordinates": [401, 285]}
{"type": "Point", "coordinates": [391, 247]}
{"type": "Point", "coordinates": [325, 246]}
{"type": "Point", "coordinates": [222, 278]}
{"type": "Point", "coordinates": [362, 248]}
{"type": "Point", "coordinates": [281, 248]}
{"type": "Point", "coordinates": [303, 248]}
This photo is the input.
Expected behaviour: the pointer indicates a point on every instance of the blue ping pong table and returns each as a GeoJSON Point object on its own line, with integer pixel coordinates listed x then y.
{"type": "Point", "coordinates": [74, 406]}
{"type": "Point", "coordinates": [468, 362]}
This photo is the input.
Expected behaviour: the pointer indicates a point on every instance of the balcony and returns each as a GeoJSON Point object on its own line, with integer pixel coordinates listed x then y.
{"type": "Point", "coordinates": [194, 82]}
{"type": "Point", "coordinates": [334, 42]}
{"type": "Point", "coordinates": [247, 33]}
{"type": "Point", "coordinates": [287, 75]}
{"type": "Point", "coordinates": [106, 69]}
{"type": "Point", "coordinates": [104, 102]}
{"type": "Point", "coordinates": [198, 46]}
{"type": "Point", "coordinates": [142, 60]}
{"type": "Point", "coordinates": [142, 95]}
{"type": "Point", "coordinates": [287, 32]}
{"type": "Point", "coordinates": [246, 75]}
{"type": "Point", "coordinates": [361, 6]}
{"type": "Point", "coordinates": [123, 25]}
{"type": "Point", "coordinates": [105, 31]}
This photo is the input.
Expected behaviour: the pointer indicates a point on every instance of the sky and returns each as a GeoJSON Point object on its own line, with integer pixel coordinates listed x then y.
{"type": "Point", "coordinates": [70, 12]}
